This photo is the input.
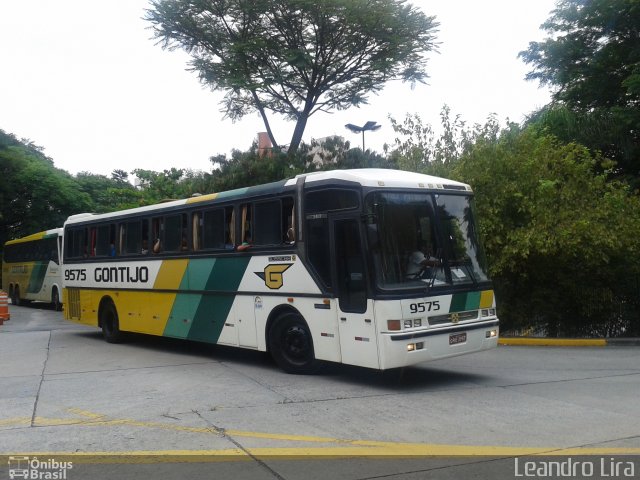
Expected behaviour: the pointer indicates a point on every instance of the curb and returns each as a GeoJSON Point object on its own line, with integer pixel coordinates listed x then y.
{"type": "Point", "coordinates": [568, 342]}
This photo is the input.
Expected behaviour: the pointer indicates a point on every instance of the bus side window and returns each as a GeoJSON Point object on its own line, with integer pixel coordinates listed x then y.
{"type": "Point", "coordinates": [318, 247]}
{"type": "Point", "coordinates": [132, 238]}
{"type": "Point", "coordinates": [104, 240]}
{"type": "Point", "coordinates": [267, 224]}
{"type": "Point", "coordinates": [175, 234]}
{"type": "Point", "coordinates": [214, 229]}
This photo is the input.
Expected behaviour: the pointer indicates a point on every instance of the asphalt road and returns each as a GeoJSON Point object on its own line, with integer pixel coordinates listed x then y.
{"type": "Point", "coordinates": [176, 409]}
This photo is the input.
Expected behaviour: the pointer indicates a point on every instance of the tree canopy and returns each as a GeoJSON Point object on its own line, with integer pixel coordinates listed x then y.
{"type": "Point", "coordinates": [592, 61]}
{"type": "Point", "coordinates": [34, 195]}
{"type": "Point", "coordinates": [296, 57]}
{"type": "Point", "coordinates": [563, 241]}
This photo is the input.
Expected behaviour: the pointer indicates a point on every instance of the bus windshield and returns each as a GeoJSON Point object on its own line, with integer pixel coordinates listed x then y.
{"type": "Point", "coordinates": [424, 239]}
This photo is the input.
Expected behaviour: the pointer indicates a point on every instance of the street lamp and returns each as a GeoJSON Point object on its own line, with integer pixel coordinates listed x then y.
{"type": "Point", "coordinates": [373, 126]}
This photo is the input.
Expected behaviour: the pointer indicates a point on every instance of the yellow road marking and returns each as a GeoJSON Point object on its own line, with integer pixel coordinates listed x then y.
{"type": "Point", "coordinates": [554, 342]}
{"type": "Point", "coordinates": [339, 448]}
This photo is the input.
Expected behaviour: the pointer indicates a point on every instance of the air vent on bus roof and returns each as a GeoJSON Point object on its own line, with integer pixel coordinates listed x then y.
{"type": "Point", "coordinates": [454, 187]}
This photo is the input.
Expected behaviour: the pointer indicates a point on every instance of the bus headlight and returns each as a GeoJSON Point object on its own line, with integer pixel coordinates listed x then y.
{"type": "Point", "coordinates": [491, 333]}
{"type": "Point", "coordinates": [415, 346]}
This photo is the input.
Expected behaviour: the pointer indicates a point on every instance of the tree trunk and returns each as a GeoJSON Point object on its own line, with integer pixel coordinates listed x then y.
{"type": "Point", "coordinates": [265, 120]}
{"type": "Point", "coordinates": [297, 132]}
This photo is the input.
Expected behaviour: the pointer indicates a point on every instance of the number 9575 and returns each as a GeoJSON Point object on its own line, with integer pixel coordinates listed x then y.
{"type": "Point", "coordinates": [422, 307]}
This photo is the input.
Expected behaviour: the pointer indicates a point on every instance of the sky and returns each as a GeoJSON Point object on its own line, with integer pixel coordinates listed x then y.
{"type": "Point", "coordinates": [84, 80]}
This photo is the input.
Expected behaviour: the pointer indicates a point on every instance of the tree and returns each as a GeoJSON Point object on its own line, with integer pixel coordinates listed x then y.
{"type": "Point", "coordinates": [34, 195]}
{"type": "Point", "coordinates": [417, 148]}
{"type": "Point", "coordinates": [109, 194]}
{"type": "Point", "coordinates": [563, 241]}
{"type": "Point", "coordinates": [296, 57]}
{"type": "Point", "coordinates": [161, 186]}
{"type": "Point", "coordinates": [120, 176]}
{"type": "Point", "coordinates": [592, 60]}
{"type": "Point", "coordinates": [244, 169]}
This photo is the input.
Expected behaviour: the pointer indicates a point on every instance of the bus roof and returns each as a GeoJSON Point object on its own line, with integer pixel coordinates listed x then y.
{"type": "Point", "coordinates": [367, 177]}
{"type": "Point", "coordinates": [380, 177]}
{"type": "Point", "coordinates": [36, 236]}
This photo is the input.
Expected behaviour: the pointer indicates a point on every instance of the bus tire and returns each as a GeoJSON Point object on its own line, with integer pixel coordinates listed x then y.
{"type": "Point", "coordinates": [55, 300]}
{"type": "Point", "coordinates": [110, 324]}
{"type": "Point", "coordinates": [291, 345]}
{"type": "Point", "coordinates": [15, 296]}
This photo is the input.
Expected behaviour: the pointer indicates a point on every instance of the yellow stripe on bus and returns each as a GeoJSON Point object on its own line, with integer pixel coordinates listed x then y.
{"type": "Point", "coordinates": [202, 198]}
{"type": "Point", "coordinates": [30, 238]}
{"type": "Point", "coordinates": [144, 312]}
{"type": "Point", "coordinates": [486, 299]}
{"type": "Point", "coordinates": [170, 274]}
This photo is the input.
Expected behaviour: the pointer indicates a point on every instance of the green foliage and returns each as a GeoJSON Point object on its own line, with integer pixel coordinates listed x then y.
{"type": "Point", "coordinates": [592, 60]}
{"type": "Point", "coordinates": [250, 168]}
{"type": "Point", "coordinates": [108, 194]}
{"type": "Point", "coordinates": [563, 242]}
{"type": "Point", "coordinates": [336, 153]}
{"type": "Point", "coordinates": [296, 57]}
{"type": "Point", "coordinates": [562, 239]}
{"type": "Point", "coordinates": [417, 148]}
{"type": "Point", "coordinates": [609, 132]}
{"type": "Point", "coordinates": [34, 195]}
{"type": "Point", "coordinates": [161, 186]}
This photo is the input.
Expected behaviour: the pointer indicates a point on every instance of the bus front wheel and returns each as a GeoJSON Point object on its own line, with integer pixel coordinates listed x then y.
{"type": "Point", "coordinates": [110, 325]}
{"type": "Point", "coordinates": [291, 345]}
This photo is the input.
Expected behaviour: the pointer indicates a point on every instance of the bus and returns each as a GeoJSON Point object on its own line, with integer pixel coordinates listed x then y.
{"type": "Point", "coordinates": [309, 269]}
{"type": "Point", "coordinates": [31, 269]}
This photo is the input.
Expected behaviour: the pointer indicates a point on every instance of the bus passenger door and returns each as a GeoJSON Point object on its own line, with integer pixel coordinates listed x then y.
{"type": "Point", "coordinates": [358, 336]}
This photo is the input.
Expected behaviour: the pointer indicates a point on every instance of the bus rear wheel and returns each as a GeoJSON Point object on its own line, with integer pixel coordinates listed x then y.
{"type": "Point", "coordinates": [291, 345]}
{"type": "Point", "coordinates": [15, 296]}
{"type": "Point", "coordinates": [110, 325]}
{"type": "Point", "coordinates": [55, 300]}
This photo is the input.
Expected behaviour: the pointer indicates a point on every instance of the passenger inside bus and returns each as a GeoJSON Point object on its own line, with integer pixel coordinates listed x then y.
{"type": "Point", "coordinates": [291, 237]}
{"type": "Point", "coordinates": [421, 261]}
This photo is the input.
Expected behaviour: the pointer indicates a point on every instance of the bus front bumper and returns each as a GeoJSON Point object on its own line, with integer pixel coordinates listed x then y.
{"type": "Point", "coordinates": [409, 348]}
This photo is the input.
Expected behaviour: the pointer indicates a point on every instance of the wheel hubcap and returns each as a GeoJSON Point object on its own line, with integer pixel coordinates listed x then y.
{"type": "Point", "coordinates": [296, 342]}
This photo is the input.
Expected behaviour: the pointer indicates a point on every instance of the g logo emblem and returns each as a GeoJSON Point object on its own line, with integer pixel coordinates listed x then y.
{"type": "Point", "coordinates": [454, 317]}
{"type": "Point", "coordinates": [272, 275]}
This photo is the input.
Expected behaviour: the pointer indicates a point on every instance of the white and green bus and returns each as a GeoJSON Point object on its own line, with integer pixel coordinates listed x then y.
{"type": "Point", "coordinates": [31, 268]}
{"type": "Point", "coordinates": [310, 269]}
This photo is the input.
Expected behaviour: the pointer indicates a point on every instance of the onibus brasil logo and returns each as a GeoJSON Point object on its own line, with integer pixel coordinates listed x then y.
{"type": "Point", "coordinates": [37, 469]}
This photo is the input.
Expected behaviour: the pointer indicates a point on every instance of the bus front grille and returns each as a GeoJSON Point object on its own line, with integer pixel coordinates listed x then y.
{"type": "Point", "coordinates": [454, 317]}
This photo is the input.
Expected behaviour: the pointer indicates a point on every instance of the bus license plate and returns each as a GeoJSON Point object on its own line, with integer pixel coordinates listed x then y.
{"type": "Point", "coordinates": [456, 338]}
